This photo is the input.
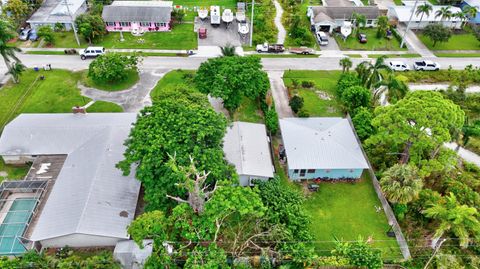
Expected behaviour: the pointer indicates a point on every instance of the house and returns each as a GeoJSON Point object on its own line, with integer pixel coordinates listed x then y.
{"type": "Point", "coordinates": [90, 202]}
{"type": "Point", "coordinates": [330, 18]}
{"type": "Point", "coordinates": [324, 148]}
{"type": "Point", "coordinates": [472, 3]}
{"type": "Point", "coordinates": [57, 11]}
{"type": "Point", "coordinates": [247, 147]}
{"type": "Point", "coordinates": [138, 16]}
{"type": "Point", "coordinates": [402, 14]}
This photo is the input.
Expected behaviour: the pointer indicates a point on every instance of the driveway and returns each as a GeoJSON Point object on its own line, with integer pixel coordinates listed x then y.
{"type": "Point", "coordinates": [220, 35]}
{"type": "Point", "coordinates": [279, 93]}
{"type": "Point", "coordinates": [133, 99]}
{"type": "Point", "coordinates": [282, 33]}
{"type": "Point", "coordinates": [414, 43]}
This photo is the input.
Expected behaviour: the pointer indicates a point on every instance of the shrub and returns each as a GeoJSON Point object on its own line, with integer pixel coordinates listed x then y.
{"type": "Point", "coordinates": [437, 33]}
{"type": "Point", "coordinates": [296, 103]}
{"type": "Point", "coordinates": [362, 121]}
{"type": "Point", "coordinates": [400, 210]}
{"type": "Point", "coordinates": [307, 84]}
{"type": "Point", "coordinates": [271, 120]}
{"type": "Point", "coordinates": [303, 113]}
{"type": "Point", "coordinates": [112, 67]}
{"type": "Point", "coordinates": [46, 33]}
{"type": "Point", "coordinates": [355, 97]}
{"type": "Point", "coordinates": [345, 81]}
{"type": "Point", "coordinates": [59, 27]}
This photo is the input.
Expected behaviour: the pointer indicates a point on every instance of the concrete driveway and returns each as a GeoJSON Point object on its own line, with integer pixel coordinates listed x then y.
{"type": "Point", "coordinates": [279, 93]}
{"type": "Point", "coordinates": [220, 35]}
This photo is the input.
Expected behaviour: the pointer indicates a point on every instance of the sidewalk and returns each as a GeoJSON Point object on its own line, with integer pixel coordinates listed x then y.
{"type": "Point", "coordinates": [413, 43]}
{"type": "Point", "coordinates": [117, 50]}
{"type": "Point", "coordinates": [437, 87]}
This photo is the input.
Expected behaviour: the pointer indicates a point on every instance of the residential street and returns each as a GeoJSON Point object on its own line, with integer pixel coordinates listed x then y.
{"type": "Point", "coordinates": [269, 64]}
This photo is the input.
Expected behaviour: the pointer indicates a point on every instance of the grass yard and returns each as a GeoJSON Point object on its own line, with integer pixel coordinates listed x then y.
{"type": "Point", "coordinates": [248, 111]}
{"type": "Point", "coordinates": [262, 55]}
{"type": "Point", "coordinates": [325, 82]}
{"type": "Point", "coordinates": [373, 42]}
{"type": "Point", "coordinates": [58, 93]}
{"type": "Point", "coordinates": [457, 55]}
{"type": "Point", "coordinates": [398, 2]}
{"type": "Point", "coordinates": [347, 211]}
{"type": "Point", "coordinates": [181, 37]}
{"type": "Point", "coordinates": [465, 41]}
{"type": "Point", "coordinates": [132, 79]}
{"type": "Point", "coordinates": [13, 172]}
{"type": "Point", "coordinates": [406, 55]}
{"type": "Point", "coordinates": [102, 106]}
{"type": "Point", "coordinates": [172, 79]}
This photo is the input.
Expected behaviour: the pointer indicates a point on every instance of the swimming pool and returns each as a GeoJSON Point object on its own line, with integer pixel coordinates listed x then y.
{"type": "Point", "coordinates": [14, 225]}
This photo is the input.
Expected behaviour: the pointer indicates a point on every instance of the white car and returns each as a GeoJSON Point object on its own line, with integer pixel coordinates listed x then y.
{"type": "Point", "coordinates": [322, 38]}
{"type": "Point", "coordinates": [91, 52]}
{"type": "Point", "coordinates": [426, 66]}
{"type": "Point", "coordinates": [399, 66]}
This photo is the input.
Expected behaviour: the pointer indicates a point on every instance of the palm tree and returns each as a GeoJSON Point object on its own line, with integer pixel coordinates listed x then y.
{"type": "Point", "coordinates": [461, 220]}
{"type": "Point", "coordinates": [228, 50]}
{"type": "Point", "coordinates": [362, 70]}
{"type": "Point", "coordinates": [424, 9]}
{"type": "Point", "coordinates": [346, 64]}
{"type": "Point", "coordinates": [401, 183]}
{"type": "Point", "coordinates": [7, 51]}
{"type": "Point", "coordinates": [395, 89]}
{"type": "Point", "coordinates": [444, 13]}
{"type": "Point", "coordinates": [377, 72]}
{"type": "Point", "coordinates": [15, 71]}
{"type": "Point", "coordinates": [462, 16]}
{"type": "Point", "coordinates": [471, 11]}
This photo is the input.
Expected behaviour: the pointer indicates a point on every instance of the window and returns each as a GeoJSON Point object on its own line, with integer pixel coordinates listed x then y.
{"type": "Point", "coordinates": [327, 170]}
{"type": "Point", "coordinates": [145, 24]}
{"type": "Point", "coordinates": [160, 24]}
{"type": "Point", "coordinates": [295, 171]}
{"type": "Point", "coordinates": [109, 23]}
{"type": "Point", "coordinates": [311, 171]}
{"type": "Point", "coordinates": [369, 21]}
{"type": "Point", "coordinates": [124, 23]}
{"type": "Point", "coordinates": [302, 172]}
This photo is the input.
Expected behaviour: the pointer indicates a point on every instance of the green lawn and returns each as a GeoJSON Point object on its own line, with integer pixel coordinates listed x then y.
{"type": "Point", "coordinates": [325, 82]}
{"type": "Point", "coordinates": [262, 55]}
{"type": "Point", "coordinates": [406, 55]}
{"type": "Point", "coordinates": [181, 37]}
{"type": "Point", "coordinates": [457, 55]}
{"type": "Point", "coordinates": [13, 172]}
{"type": "Point", "coordinates": [57, 93]}
{"type": "Point", "coordinates": [171, 79]}
{"type": "Point", "coordinates": [132, 79]}
{"type": "Point", "coordinates": [373, 42]}
{"type": "Point", "coordinates": [347, 211]}
{"type": "Point", "coordinates": [398, 2]}
{"type": "Point", "coordinates": [465, 41]}
{"type": "Point", "coordinates": [248, 111]}
{"type": "Point", "coordinates": [102, 106]}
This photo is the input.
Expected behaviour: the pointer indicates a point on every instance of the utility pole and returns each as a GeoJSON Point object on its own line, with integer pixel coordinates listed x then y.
{"type": "Point", "coordinates": [437, 247]}
{"type": "Point", "coordinates": [408, 24]}
{"type": "Point", "coordinates": [251, 22]}
{"type": "Point", "coordinates": [73, 23]}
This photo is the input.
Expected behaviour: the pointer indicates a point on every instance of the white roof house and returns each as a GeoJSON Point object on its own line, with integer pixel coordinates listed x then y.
{"type": "Point", "coordinates": [246, 146]}
{"type": "Point", "coordinates": [402, 14]}
{"type": "Point", "coordinates": [321, 143]}
{"type": "Point", "coordinates": [57, 11]}
{"type": "Point", "coordinates": [91, 202]}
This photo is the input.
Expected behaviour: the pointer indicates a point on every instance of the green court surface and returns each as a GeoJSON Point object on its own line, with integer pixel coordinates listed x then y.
{"type": "Point", "coordinates": [14, 225]}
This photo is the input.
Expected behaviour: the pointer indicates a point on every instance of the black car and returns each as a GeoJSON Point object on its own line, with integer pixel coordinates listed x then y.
{"type": "Point", "coordinates": [362, 38]}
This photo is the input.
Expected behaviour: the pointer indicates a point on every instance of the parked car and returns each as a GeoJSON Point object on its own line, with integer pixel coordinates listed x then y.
{"type": "Point", "coordinates": [24, 34]}
{"type": "Point", "coordinates": [91, 52]}
{"type": "Point", "coordinates": [265, 47]}
{"type": "Point", "coordinates": [362, 38]}
{"type": "Point", "coordinates": [426, 66]}
{"type": "Point", "coordinates": [33, 35]}
{"type": "Point", "coordinates": [302, 50]}
{"type": "Point", "coordinates": [399, 66]}
{"type": "Point", "coordinates": [322, 38]}
{"type": "Point", "coordinates": [202, 33]}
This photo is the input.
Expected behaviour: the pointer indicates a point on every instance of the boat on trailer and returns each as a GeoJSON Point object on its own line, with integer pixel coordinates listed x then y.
{"type": "Point", "coordinates": [227, 16]}
{"type": "Point", "coordinates": [202, 13]}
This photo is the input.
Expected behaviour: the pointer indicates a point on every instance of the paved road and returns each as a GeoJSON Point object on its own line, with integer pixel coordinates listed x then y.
{"type": "Point", "coordinates": [279, 93]}
{"type": "Point", "coordinates": [270, 64]}
{"type": "Point", "coordinates": [465, 154]}
{"type": "Point", "coordinates": [436, 87]}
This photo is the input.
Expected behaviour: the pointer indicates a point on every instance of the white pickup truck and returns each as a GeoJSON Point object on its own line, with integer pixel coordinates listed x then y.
{"type": "Point", "coordinates": [426, 66]}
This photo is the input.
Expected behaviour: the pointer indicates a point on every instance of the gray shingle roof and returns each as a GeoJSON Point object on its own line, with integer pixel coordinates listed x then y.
{"type": "Point", "coordinates": [138, 11]}
{"type": "Point", "coordinates": [321, 143]}
{"type": "Point", "coordinates": [246, 147]}
{"type": "Point", "coordinates": [90, 195]}
{"type": "Point", "coordinates": [341, 13]}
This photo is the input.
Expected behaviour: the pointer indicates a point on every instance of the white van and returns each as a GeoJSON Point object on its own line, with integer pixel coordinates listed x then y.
{"type": "Point", "coordinates": [91, 52]}
{"type": "Point", "coordinates": [322, 38]}
{"type": "Point", "coordinates": [399, 66]}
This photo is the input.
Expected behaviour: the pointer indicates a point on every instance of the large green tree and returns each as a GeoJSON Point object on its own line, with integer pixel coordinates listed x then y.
{"type": "Point", "coordinates": [401, 183]}
{"type": "Point", "coordinates": [417, 126]}
{"type": "Point", "coordinates": [356, 97]}
{"type": "Point", "coordinates": [372, 74]}
{"type": "Point", "coordinates": [180, 123]}
{"type": "Point", "coordinates": [112, 67]}
{"type": "Point", "coordinates": [232, 78]}
{"type": "Point", "coordinates": [359, 253]}
{"type": "Point", "coordinates": [90, 26]}
{"type": "Point", "coordinates": [17, 9]}
{"type": "Point", "coordinates": [362, 121]}
{"type": "Point", "coordinates": [437, 33]}
{"type": "Point", "coordinates": [460, 220]}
